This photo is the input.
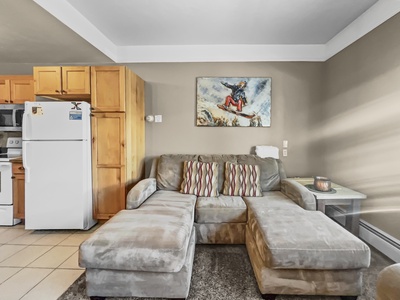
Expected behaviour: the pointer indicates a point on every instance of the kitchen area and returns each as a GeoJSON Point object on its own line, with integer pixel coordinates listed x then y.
{"type": "Point", "coordinates": [71, 145]}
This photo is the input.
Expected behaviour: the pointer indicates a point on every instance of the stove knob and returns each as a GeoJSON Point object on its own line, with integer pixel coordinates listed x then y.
{"type": "Point", "coordinates": [17, 142]}
{"type": "Point", "coordinates": [11, 142]}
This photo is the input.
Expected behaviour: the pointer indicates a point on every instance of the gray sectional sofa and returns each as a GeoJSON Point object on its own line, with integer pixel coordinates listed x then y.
{"type": "Point", "coordinates": [147, 250]}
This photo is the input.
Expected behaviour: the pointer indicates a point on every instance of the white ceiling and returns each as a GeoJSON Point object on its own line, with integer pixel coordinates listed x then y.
{"type": "Point", "coordinates": [127, 31]}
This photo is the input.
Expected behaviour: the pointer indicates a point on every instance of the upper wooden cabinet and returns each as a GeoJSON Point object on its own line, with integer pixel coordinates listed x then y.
{"type": "Point", "coordinates": [108, 88]}
{"type": "Point", "coordinates": [16, 89]}
{"type": "Point", "coordinates": [62, 82]}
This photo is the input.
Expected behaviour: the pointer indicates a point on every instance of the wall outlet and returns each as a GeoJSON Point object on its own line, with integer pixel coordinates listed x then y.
{"type": "Point", "coordinates": [158, 118]}
{"type": "Point", "coordinates": [284, 152]}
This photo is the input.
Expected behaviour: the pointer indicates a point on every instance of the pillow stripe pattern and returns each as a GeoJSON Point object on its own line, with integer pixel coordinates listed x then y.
{"type": "Point", "coordinates": [200, 178]}
{"type": "Point", "coordinates": [242, 180]}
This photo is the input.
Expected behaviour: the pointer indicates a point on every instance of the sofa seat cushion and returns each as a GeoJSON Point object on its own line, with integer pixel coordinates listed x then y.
{"type": "Point", "coordinates": [221, 209]}
{"type": "Point", "coordinates": [153, 238]}
{"type": "Point", "coordinates": [301, 239]}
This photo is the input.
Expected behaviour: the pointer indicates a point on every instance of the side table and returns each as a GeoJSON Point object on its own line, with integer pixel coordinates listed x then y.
{"type": "Point", "coordinates": [343, 196]}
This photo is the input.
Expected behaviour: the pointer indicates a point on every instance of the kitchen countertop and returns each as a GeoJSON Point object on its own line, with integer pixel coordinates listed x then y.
{"type": "Point", "coordinates": [16, 160]}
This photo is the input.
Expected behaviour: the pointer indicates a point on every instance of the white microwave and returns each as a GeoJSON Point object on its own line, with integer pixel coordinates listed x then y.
{"type": "Point", "coordinates": [11, 117]}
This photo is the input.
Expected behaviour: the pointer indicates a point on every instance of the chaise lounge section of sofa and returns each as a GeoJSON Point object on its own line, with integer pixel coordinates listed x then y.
{"type": "Point", "coordinates": [147, 250]}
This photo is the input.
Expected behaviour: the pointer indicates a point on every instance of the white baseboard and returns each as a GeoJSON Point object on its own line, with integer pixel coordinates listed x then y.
{"type": "Point", "coordinates": [380, 240]}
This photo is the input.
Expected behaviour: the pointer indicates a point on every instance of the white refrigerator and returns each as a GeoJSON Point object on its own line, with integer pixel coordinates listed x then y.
{"type": "Point", "coordinates": [56, 154]}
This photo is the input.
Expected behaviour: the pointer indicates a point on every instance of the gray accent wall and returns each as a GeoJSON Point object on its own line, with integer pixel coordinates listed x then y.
{"type": "Point", "coordinates": [296, 98]}
{"type": "Point", "coordinates": [361, 132]}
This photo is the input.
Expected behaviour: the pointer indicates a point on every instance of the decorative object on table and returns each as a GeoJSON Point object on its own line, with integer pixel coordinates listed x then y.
{"type": "Point", "coordinates": [312, 189]}
{"type": "Point", "coordinates": [322, 184]}
{"type": "Point", "coordinates": [234, 101]}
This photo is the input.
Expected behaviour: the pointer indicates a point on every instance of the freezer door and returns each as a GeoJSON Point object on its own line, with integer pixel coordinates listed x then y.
{"type": "Point", "coordinates": [58, 185]}
{"type": "Point", "coordinates": [56, 120]}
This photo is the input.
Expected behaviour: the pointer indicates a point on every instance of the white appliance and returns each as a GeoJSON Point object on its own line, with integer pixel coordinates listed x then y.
{"type": "Point", "coordinates": [13, 149]}
{"type": "Point", "coordinates": [56, 146]}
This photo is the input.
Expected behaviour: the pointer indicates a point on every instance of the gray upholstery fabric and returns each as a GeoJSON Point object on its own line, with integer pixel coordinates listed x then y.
{"type": "Point", "coordinates": [299, 194]}
{"type": "Point", "coordinates": [301, 281]}
{"type": "Point", "coordinates": [270, 177]}
{"type": "Point", "coordinates": [271, 200]}
{"type": "Point", "coordinates": [221, 209]}
{"type": "Point", "coordinates": [388, 284]}
{"type": "Point", "coordinates": [169, 170]}
{"type": "Point", "coordinates": [120, 283]}
{"type": "Point", "coordinates": [153, 238]}
{"type": "Point", "coordinates": [140, 192]}
{"type": "Point", "coordinates": [220, 233]}
{"type": "Point", "coordinates": [221, 159]}
{"type": "Point", "coordinates": [293, 239]}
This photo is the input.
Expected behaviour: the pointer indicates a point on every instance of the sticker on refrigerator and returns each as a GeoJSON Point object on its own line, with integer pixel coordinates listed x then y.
{"type": "Point", "coordinates": [37, 111]}
{"type": "Point", "coordinates": [75, 115]}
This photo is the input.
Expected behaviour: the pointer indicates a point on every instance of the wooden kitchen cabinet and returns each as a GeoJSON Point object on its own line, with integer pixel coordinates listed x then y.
{"type": "Point", "coordinates": [117, 137]}
{"type": "Point", "coordinates": [18, 180]}
{"type": "Point", "coordinates": [16, 89]}
{"type": "Point", "coordinates": [70, 82]}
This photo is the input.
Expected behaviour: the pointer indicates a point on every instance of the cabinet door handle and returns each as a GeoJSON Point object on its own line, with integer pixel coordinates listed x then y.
{"type": "Point", "coordinates": [92, 115]}
{"type": "Point", "coordinates": [11, 101]}
{"type": "Point", "coordinates": [57, 91]}
{"type": "Point", "coordinates": [63, 92]}
{"type": "Point", "coordinates": [21, 168]}
{"type": "Point", "coordinates": [12, 177]}
{"type": "Point", "coordinates": [6, 101]}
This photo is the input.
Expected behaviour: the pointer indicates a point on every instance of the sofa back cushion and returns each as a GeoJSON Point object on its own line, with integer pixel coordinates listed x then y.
{"type": "Point", "coordinates": [270, 170]}
{"type": "Point", "coordinates": [170, 170]}
{"type": "Point", "coordinates": [221, 159]}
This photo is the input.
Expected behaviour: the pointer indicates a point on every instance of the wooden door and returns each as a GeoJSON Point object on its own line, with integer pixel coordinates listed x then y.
{"type": "Point", "coordinates": [108, 154]}
{"type": "Point", "coordinates": [21, 90]}
{"type": "Point", "coordinates": [47, 80]}
{"type": "Point", "coordinates": [108, 88]}
{"type": "Point", "coordinates": [18, 181]}
{"type": "Point", "coordinates": [4, 90]}
{"type": "Point", "coordinates": [76, 80]}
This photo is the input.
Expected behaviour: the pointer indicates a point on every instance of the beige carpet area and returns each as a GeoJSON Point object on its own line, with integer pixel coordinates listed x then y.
{"type": "Point", "coordinates": [224, 272]}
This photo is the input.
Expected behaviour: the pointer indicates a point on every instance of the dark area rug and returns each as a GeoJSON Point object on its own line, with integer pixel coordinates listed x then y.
{"type": "Point", "coordinates": [224, 272]}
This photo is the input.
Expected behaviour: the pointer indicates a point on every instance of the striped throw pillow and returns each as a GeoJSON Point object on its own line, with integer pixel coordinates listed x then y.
{"type": "Point", "coordinates": [242, 180]}
{"type": "Point", "coordinates": [200, 178]}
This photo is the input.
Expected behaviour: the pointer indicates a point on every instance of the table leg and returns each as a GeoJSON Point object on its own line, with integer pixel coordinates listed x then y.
{"type": "Point", "coordinates": [353, 217]}
{"type": "Point", "coordinates": [321, 205]}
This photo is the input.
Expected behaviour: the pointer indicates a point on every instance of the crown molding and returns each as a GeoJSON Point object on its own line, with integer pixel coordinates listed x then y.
{"type": "Point", "coordinates": [373, 17]}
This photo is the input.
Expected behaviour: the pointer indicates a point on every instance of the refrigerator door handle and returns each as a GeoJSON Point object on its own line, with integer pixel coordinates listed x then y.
{"type": "Point", "coordinates": [25, 162]}
{"type": "Point", "coordinates": [25, 117]}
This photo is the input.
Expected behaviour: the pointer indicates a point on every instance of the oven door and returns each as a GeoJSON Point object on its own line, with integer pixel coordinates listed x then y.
{"type": "Point", "coordinates": [6, 197]}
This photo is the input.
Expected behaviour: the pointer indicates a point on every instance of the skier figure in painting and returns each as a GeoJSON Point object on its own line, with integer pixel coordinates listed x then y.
{"type": "Point", "coordinates": [237, 97]}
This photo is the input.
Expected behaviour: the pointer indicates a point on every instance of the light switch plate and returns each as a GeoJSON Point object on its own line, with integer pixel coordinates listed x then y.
{"type": "Point", "coordinates": [285, 144]}
{"type": "Point", "coordinates": [158, 118]}
{"type": "Point", "coordinates": [284, 152]}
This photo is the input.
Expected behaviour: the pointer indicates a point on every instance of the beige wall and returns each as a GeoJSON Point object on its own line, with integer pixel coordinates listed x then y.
{"type": "Point", "coordinates": [361, 134]}
{"type": "Point", "coordinates": [171, 92]}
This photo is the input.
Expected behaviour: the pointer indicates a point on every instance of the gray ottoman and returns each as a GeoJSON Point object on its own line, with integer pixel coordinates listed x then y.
{"type": "Point", "coordinates": [300, 252]}
{"type": "Point", "coordinates": [146, 252]}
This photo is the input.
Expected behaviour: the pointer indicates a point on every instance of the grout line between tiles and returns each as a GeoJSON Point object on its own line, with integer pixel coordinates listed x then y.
{"type": "Point", "coordinates": [14, 252]}
{"type": "Point", "coordinates": [39, 281]}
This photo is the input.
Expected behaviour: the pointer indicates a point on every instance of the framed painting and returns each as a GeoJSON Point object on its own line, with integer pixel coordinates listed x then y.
{"type": "Point", "coordinates": [234, 101]}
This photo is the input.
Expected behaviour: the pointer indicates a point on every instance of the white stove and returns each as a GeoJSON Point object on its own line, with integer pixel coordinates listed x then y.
{"type": "Point", "coordinates": [13, 150]}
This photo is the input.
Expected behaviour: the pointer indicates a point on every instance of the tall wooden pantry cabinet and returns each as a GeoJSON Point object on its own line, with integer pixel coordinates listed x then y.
{"type": "Point", "coordinates": [118, 136]}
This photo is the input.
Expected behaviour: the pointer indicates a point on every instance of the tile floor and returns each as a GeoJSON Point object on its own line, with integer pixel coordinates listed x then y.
{"type": "Point", "coordinates": [38, 264]}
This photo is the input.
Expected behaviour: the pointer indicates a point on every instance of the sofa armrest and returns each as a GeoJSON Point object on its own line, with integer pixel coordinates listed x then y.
{"type": "Point", "coordinates": [140, 192]}
{"type": "Point", "coordinates": [298, 193]}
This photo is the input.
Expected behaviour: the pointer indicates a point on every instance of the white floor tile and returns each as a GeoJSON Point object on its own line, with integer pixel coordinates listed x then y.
{"type": "Point", "coordinates": [6, 273]}
{"type": "Point", "coordinates": [11, 234]}
{"type": "Point", "coordinates": [72, 262]}
{"type": "Point", "coordinates": [22, 282]}
{"type": "Point", "coordinates": [25, 256]}
{"type": "Point", "coordinates": [9, 250]}
{"type": "Point", "coordinates": [75, 239]}
{"type": "Point", "coordinates": [53, 238]}
{"type": "Point", "coordinates": [54, 257]}
{"type": "Point", "coordinates": [28, 238]}
{"type": "Point", "coordinates": [53, 285]}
